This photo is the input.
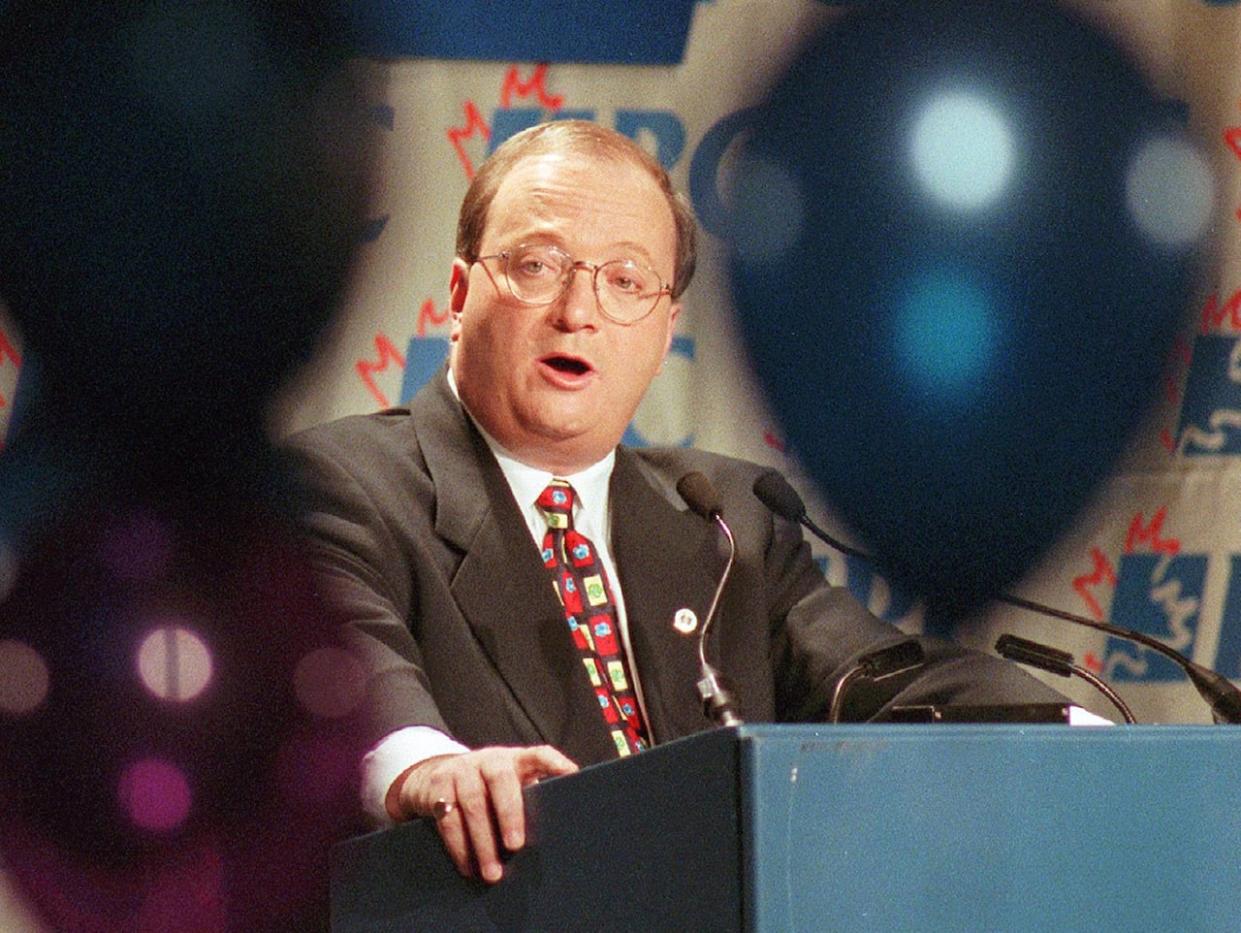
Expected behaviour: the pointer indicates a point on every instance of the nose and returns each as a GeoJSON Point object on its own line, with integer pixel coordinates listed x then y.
{"type": "Point", "coordinates": [577, 307]}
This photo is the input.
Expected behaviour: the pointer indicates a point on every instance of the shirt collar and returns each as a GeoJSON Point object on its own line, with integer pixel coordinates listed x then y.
{"type": "Point", "coordinates": [527, 482]}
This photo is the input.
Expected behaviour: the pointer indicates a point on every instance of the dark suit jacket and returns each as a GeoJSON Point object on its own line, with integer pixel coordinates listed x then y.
{"type": "Point", "coordinates": [427, 552]}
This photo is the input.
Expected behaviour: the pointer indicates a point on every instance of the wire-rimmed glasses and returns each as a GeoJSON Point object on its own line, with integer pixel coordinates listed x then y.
{"type": "Point", "coordinates": [538, 274]}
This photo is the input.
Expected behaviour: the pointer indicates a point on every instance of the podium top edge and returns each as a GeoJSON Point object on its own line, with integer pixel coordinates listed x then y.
{"type": "Point", "coordinates": [1014, 733]}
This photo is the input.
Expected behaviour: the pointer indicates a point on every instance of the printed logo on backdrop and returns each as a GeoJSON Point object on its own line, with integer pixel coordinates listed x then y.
{"type": "Point", "coordinates": [1210, 404]}
{"type": "Point", "coordinates": [1156, 588]}
{"type": "Point", "coordinates": [398, 368]}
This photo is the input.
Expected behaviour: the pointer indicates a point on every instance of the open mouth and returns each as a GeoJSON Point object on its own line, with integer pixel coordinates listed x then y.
{"type": "Point", "coordinates": [568, 364]}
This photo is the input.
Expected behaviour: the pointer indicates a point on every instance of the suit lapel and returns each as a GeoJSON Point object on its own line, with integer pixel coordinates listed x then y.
{"type": "Point", "coordinates": [501, 586]}
{"type": "Point", "coordinates": [668, 559]}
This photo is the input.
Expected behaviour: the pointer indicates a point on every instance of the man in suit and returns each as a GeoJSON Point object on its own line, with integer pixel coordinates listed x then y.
{"type": "Point", "coordinates": [436, 523]}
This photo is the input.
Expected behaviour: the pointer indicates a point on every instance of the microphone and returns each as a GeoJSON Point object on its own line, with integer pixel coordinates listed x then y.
{"type": "Point", "coordinates": [1055, 661]}
{"type": "Point", "coordinates": [700, 495]}
{"type": "Point", "coordinates": [877, 665]}
{"type": "Point", "coordinates": [774, 491]}
{"type": "Point", "coordinates": [703, 500]}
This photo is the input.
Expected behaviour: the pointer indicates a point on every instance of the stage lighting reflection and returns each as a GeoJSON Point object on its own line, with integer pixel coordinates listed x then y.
{"type": "Point", "coordinates": [946, 337]}
{"type": "Point", "coordinates": [155, 795]}
{"type": "Point", "coordinates": [963, 151]}
{"type": "Point", "coordinates": [174, 663]}
{"type": "Point", "coordinates": [329, 682]}
{"type": "Point", "coordinates": [24, 678]}
{"type": "Point", "coordinates": [1169, 191]}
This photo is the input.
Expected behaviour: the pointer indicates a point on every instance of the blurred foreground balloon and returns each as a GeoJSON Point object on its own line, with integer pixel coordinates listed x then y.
{"type": "Point", "coordinates": [183, 187]}
{"type": "Point", "coordinates": [964, 237]}
{"type": "Point", "coordinates": [179, 721]}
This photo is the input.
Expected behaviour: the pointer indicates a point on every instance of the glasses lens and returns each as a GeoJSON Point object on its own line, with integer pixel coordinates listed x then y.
{"type": "Point", "coordinates": [536, 273]}
{"type": "Point", "coordinates": [627, 290]}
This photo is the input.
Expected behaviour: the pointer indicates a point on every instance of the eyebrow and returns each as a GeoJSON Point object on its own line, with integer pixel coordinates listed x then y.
{"type": "Point", "coordinates": [552, 238]}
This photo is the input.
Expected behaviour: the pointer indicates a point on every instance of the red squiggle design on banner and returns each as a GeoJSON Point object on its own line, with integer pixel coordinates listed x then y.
{"type": "Point", "coordinates": [1232, 138]}
{"type": "Point", "coordinates": [428, 314]}
{"type": "Point", "coordinates": [457, 135]}
{"type": "Point", "coordinates": [1102, 572]}
{"type": "Point", "coordinates": [1093, 662]}
{"type": "Point", "coordinates": [387, 354]}
{"type": "Point", "coordinates": [1143, 534]}
{"type": "Point", "coordinates": [1213, 313]}
{"type": "Point", "coordinates": [1179, 358]}
{"type": "Point", "coordinates": [513, 87]}
{"type": "Point", "coordinates": [536, 85]}
{"type": "Point", "coordinates": [8, 351]}
{"type": "Point", "coordinates": [1178, 361]}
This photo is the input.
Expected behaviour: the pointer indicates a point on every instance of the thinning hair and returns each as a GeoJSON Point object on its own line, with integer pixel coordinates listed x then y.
{"type": "Point", "coordinates": [578, 136]}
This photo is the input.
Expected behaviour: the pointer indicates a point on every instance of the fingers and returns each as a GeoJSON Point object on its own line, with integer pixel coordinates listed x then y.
{"type": "Point", "coordinates": [529, 765]}
{"type": "Point", "coordinates": [451, 828]}
{"type": "Point", "coordinates": [505, 787]}
{"type": "Point", "coordinates": [484, 790]}
{"type": "Point", "coordinates": [474, 805]}
{"type": "Point", "coordinates": [543, 761]}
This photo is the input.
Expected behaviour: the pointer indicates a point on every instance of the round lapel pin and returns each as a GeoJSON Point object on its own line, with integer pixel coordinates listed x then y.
{"type": "Point", "coordinates": [685, 621]}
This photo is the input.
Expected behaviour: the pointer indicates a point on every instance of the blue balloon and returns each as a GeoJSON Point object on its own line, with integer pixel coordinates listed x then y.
{"type": "Point", "coordinates": [963, 240]}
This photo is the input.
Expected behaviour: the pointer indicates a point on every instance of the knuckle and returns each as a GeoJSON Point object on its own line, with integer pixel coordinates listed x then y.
{"type": "Point", "coordinates": [472, 801]}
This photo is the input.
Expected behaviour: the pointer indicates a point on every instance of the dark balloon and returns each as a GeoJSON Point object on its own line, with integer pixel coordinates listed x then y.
{"type": "Point", "coordinates": [183, 186]}
{"type": "Point", "coordinates": [964, 237]}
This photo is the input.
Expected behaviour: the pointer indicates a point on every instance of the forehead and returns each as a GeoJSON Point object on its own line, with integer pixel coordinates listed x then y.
{"type": "Point", "coordinates": [587, 203]}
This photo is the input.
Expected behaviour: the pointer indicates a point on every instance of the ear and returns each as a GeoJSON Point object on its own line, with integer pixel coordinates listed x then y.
{"type": "Point", "coordinates": [673, 313]}
{"type": "Point", "coordinates": [458, 286]}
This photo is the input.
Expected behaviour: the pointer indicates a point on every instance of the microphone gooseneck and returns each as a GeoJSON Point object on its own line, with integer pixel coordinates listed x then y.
{"type": "Point", "coordinates": [876, 665]}
{"type": "Point", "coordinates": [703, 500]}
{"type": "Point", "coordinates": [1055, 661]}
{"type": "Point", "coordinates": [774, 491]}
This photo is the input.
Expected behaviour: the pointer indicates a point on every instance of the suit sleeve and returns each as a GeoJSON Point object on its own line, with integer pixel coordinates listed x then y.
{"type": "Point", "coordinates": [818, 632]}
{"type": "Point", "coordinates": [366, 570]}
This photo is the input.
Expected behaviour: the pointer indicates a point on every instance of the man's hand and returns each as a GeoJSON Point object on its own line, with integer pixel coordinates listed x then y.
{"type": "Point", "coordinates": [483, 788]}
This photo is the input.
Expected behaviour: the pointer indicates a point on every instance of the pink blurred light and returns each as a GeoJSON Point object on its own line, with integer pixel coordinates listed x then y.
{"type": "Point", "coordinates": [174, 663]}
{"type": "Point", "coordinates": [24, 678]}
{"type": "Point", "coordinates": [155, 795]}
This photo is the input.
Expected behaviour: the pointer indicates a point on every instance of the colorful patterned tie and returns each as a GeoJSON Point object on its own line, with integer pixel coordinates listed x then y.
{"type": "Point", "coordinates": [581, 585]}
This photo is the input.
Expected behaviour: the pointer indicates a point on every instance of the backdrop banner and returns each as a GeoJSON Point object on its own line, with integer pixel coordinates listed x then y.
{"type": "Point", "coordinates": [1160, 548]}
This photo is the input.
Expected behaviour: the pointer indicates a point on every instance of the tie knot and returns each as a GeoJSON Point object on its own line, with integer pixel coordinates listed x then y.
{"type": "Point", "coordinates": [556, 504]}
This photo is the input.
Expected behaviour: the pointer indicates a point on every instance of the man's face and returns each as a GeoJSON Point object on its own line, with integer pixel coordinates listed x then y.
{"type": "Point", "coordinates": [556, 385]}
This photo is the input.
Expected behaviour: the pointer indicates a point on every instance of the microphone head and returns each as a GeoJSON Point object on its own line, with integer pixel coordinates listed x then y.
{"type": "Point", "coordinates": [700, 495]}
{"type": "Point", "coordinates": [774, 491]}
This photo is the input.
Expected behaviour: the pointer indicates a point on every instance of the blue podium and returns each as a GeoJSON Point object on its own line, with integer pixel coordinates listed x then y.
{"type": "Point", "coordinates": [937, 828]}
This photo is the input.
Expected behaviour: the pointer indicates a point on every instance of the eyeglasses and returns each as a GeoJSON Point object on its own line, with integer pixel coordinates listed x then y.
{"type": "Point", "coordinates": [627, 291]}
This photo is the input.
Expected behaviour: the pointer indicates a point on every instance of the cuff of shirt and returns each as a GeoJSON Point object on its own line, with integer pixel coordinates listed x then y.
{"type": "Point", "coordinates": [395, 753]}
